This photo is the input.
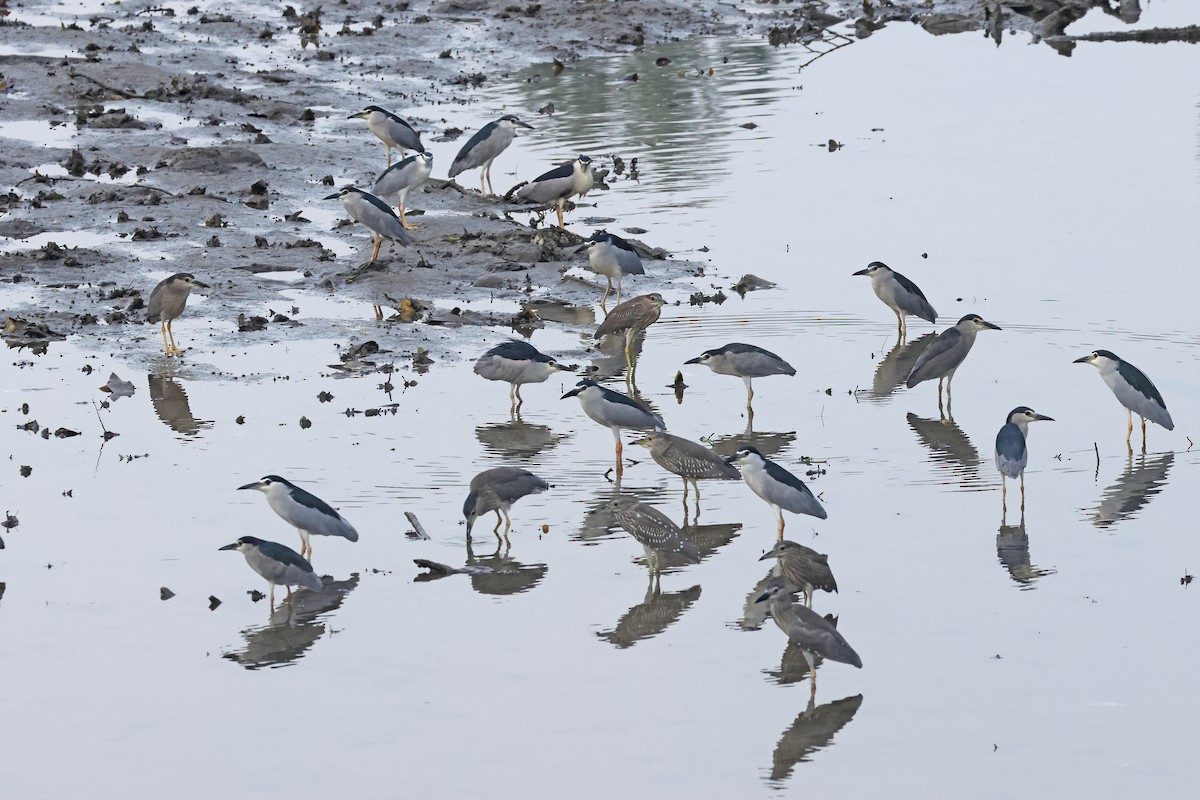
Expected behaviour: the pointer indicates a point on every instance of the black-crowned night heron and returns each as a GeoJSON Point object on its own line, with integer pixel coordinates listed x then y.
{"type": "Point", "coordinates": [279, 564]}
{"type": "Point", "coordinates": [687, 459]}
{"type": "Point", "coordinates": [559, 184]}
{"type": "Point", "coordinates": [401, 178]}
{"type": "Point", "coordinates": [307, 513]}
{"type": "Point", "coordinates": [391, 129]}
{"type": "Point", "coordinates": [1133, 390]}
{"type": "Point", "coordinates": [1011, 453]}
{"type": "Point", "coordinates": [167, 302]}
{"type": "Point", "coordinates": [803, 568]}
{"type": "Point", "coordinates": [780, 488]}
{"type": "Point", "coordinates": [496, 490]}
{"type": "Point", "coordinates": [614, 411]}
{"type": "Point", "coordinates": [516, 363]}
{"type": "Point", "coordinates": [629, 319]}
{"type": "Point", "coordinates": [612, 257]}
{"type": "Point", "coordinates": [809, 631]}
{"type": "Point", "coordinates": [743, 361]}
{"type": "Point", "coordinates": [654, 530]}
{"type": "Point", "coordinates": [482, 149]}
{"type": "Point", "coordinates": [944, 355]}
{"type": "Point", "coordinates": [377, 215]}
{"type": "Point", "coordinates": [898, 293]}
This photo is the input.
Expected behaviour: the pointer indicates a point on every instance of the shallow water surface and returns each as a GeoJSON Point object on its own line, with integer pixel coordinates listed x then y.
{"type": "Point", "coordinates": [1045, 651]}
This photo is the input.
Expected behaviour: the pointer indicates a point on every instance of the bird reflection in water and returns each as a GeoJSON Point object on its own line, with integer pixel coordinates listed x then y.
{"type": "Point", "coordinates": [1012, 551]}
{"type": "Point", "coordinates": [652, 616]}
{"type": "Point", "coordinates": [707, 539]}
{"type": "Point", "coordinates": [611, 361]}
{"type": "Point", "coordinates": [813, 730]}
{"type": "Point", "coordinates": [1143, 477]}
{"type": "Point", "coordinates": [769, 444]}
{"type": "Point", "coordinates": [294, 627]}
{"type": "Point", "coordinates": [171, 404]}
{"type": "Point", "coordinates": [894, 367]}
{"type": "Point", "coordinates": [517, 439]}
{"type": "Point", "coordinates": [949, 449]}
{"type": "Point", "coordinates": [495, 574]}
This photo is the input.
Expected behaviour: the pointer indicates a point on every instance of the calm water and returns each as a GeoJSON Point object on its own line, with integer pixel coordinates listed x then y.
{"type": "Point", "coordinates": [1048, 654]}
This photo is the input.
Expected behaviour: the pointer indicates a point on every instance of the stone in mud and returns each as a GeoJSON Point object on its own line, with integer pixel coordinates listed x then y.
{"type": "Point", "coordinates": [215, 160]}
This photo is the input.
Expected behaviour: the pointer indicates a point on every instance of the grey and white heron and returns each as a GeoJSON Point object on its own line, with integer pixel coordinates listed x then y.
{"type": "Point", "coordinates": [945, 353]}
{"type": "Point", "coordinates": [808, 630]}
{"type": "Point", "coordinates": [375, 214]}
{"type": "Point", "coordinates": [304, 511]}
{"type": "Point", "coordinates": [614, 411]}
{"type": "Point", "coordinates": [559, 184]}
{"type": "Point", "coordinates": [654, 530]}
{"type": "Point", "coordinates": [1011, 453]}
{"type": "Point", "coordinates": [743, 361]}
{"type": "Point", "coordinates": [630, 318]}
{"type": "Point", "coordinates": [516, 363]}
{"type": "Point", "coordinates": [687, 459]}
{"type": "Point", "coordinates": [613, 257]}
{"type": "Point", "coordinates": [399, 179]}
{"type": "Point", "coordinates": [482, 149]}
{"type": "Point", "coordinates": [391, 129]}
{"type": "Point", "coordinates": [803, 568]}
{"type": "Point", "coordinates": [496, 490]}
{"type": "Point", "coordinates": [782, 490]}
{"type": "Point", "coordinates": [279, 564]}
{"type": "Point", "coordinates": [898, 293]}
{"type": "Point", "coordinates": [1133, 390]}
{"type": "Point", "coordinates": [167, 302]}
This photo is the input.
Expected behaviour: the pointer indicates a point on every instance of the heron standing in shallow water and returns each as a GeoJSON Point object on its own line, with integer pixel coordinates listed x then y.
{"type": "Point", "coordinates": [941, 359]}
{"type": "Point", "coordinates": [744, 361]}
{"type": "Point", "coordinates": [631, 318]}
{"type": "Point", "coordinates": [279, 564]}
{"type": "Point", "coordinates": [808, 630]}
{"type": "Point", "coordinates": [1011, 453]}
{"type": "Point", "coordinates": [516, 363]}
{"type": "Point", "coordinates": [304, 511]}
{"type": "Point", "coordinates": [781, 489]}
{"type": "Point", "coordinates": [803, 568]}
{"type": "Point", "coordinates": [898, 293]}
{"type": "Point", "coordinates": [689, 460]}
{"type": "Point", "coordinates": [1133, 390]}
{"type": "Point", "coordinates": [615, 411]}
{"type": "Point", "coordinates": [654, 530]}
{"type": "Point", "coordinates": [496, 490]}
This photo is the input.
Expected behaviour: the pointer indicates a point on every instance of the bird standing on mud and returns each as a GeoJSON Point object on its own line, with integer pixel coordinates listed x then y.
{"type": "Point", "coordinates": [391, 129]}
{"type": "Point", "coordinates": [482, 149]}
{"type": "Point", "coordinates": [403, 177]}
{"type": "Point", "coordinates": [559, 184]}
{"type": "Point", "coordinates": [167, 302]}
{"type": "Point", "coordinates": [377, 215]}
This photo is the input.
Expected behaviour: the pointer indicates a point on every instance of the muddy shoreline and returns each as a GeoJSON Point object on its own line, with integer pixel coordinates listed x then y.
{"type": "Point", "coordinates": [198, 151]}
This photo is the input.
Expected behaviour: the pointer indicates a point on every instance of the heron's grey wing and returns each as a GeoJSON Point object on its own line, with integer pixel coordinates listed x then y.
{"type": "Point", "coordinates": [512, 484]}
{"type": "Point", "coordinates": [912, 300]}
{"type": "Point", "coordinates": [945, 353]}
{"type": "Point", "coordinates": [1011, 455]}
{"type": "Point", "coordinates": [802, 503]}
{"type": "Point", "coordinates": [318, 517]}
{"type": "Point", "coordinates": [1141, 396]}
{"type": "Point", "coordinates": [808, 566]}
{"type": "Point", "coordinates": [403, 134]}
{"type": "Point", "coordinates": [758, 363]}
{"type": "Point", "coordinates": [397, 178]}
{"type": "Point", "coordinates": [548, 186]}
{"type": "Point", "coordinates": [155, 303]}
{"type": "Point", "coordinates": [380, 218]}
{"type": "Point", "coordinates": [815, 633]}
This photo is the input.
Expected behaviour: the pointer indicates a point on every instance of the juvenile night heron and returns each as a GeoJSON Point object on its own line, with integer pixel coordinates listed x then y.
{"type": "Point", "coordinates": [898, 293]}
{"type": "Point", "coordinates": [743, 361]}
{"type": "Point", "coordinates": [687, 459]}
{"type": "Point", "coordinates": [612, 257]}
{"type": "Point", "coordinates": [1011, 453]}
{"type": "Point", "coordinates": [482, 149]}
{"type": "Point", "coordinates": [654, 531]}
{"type": "Point", "coordinates": [516, 363]}
{"type": "Point", "coordinates": [559, 184]}
{"type": "Point", "coordinates": [630, 318]}
{"type": "Point", "coordinates": [802, 567]}
{"type": "Point", "coordinates": [808, 630]}
{"type": "Point", "coordinates": [780, 488]}
{"type": "Point", "coordinates": [1133, 390]}
{"type": "Point", "coordinates": [307, 513]}
{"type": "Point", "coordinates": [279, 564]}
{"type": "Point", "coordinates": [167, 302]}
{"type": "Point", "coordinates": [945, 353]}
{"type": "Point", "coordinates": [374, 213]}
{"type": "Point", "coordinates": [496, 490]}
{"type": "Point", "coordinates": [615, 411]}
{"type": "Point", "coordinates": [401, 178]}
{"type": "Point", "coordinates": [391, 129]}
